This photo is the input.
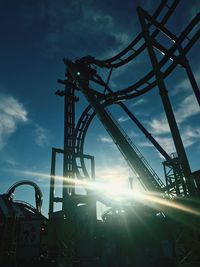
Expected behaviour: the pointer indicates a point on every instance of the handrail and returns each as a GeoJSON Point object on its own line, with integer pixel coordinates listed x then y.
{"type": "Point", "coordinates": [145, 162]}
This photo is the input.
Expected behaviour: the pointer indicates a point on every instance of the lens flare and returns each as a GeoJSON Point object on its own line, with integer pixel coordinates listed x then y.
{"type": "Point", "coordinates": [116, 192]}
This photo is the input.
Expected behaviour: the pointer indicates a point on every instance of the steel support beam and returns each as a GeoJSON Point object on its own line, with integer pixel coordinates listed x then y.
{"type": "Point", "coordinates": [167, 106]}
{"type": "Point", "coordinates": [55, 199]}
{"type": "Point", "coordinates": [146, 133]}
{"type": "Point", "coordinates": [130, 155]}
{"type": "Point", "coordinates": [52, 182]}
{"type": "Point", "coordinates": [183, 60]}
{"type": "Point", "coordinates": [159, 26]}
{"type": "Point", "coordinates": [192, 79]}
{"type": "Point", "coordinates": [140, 126]}
{"type": "Point", "coordinates": [69, 145]}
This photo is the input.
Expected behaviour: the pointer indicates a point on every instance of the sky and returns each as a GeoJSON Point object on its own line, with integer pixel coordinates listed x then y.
{"type": "Point", "coordinates": [35, 36]}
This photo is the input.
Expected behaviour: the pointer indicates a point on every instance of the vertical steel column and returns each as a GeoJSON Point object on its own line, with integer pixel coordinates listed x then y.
{"type": "Point", "coordinates": [192, 79]}
{"type": "Point", "coordinates": [174, 177]}
{"type": "Point", "coordinates": [52, 182]}
{"type": "Point", "coordinates": [69, 145]}
{"type": "Point", "coordinates": [167, 106]}
{"type": "Point", "coordinates": [186, 65]}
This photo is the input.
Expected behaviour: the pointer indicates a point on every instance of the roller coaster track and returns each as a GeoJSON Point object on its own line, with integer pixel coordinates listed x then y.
{"type": "Point", "coordinates": [80, 133]}
{"type": "Point", "coordinates": [134, 91]}
{"type": "Point", "coordinates": [148, 168]}
{"type": "Point", "coordinates": [38, 195]}
{"type": "Point", "coordinates": [146, 82]}
{"type": "Point", "coordinates": [134, 158]}
{"type": "Point", "coordinates": [88, 115]}
{"type": "Point", "coordinates": [118, 59]}
{"type": "Point", "coordinates": [81, 130]}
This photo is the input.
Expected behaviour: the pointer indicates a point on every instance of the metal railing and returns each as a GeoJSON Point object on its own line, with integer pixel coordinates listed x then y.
{"type": "Point", "coordinates": [155, 177]}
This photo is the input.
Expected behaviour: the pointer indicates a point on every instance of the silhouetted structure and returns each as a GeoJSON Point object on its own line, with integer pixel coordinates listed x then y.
{"type": "Point", "coordinates": [165, 230]}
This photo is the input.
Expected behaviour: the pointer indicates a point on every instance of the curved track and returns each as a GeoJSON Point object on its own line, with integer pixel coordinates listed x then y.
{"type": "Point", "coordinates": [38, 195]}
{"type": "Point", "coordinates": [88, 114]}
{"type": "Point", "coordinates": [143, 85]}
{"type": "Point", "coordinates": [135, 90]}
{"type": "Point", "coordinates": [119, 60]}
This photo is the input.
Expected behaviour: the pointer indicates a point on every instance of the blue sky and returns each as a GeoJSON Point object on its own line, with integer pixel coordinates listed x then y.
{"type": "Point", "coordinates": [35, 37]}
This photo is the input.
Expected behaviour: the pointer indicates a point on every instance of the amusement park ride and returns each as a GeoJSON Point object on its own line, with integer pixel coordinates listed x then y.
{"type": "Point", "coordinates": [73, 236]}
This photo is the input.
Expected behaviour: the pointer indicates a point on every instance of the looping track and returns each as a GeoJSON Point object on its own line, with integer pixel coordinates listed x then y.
{"type": "Point", "coordinates": [167, 64]}
{"type": "Point", "coordinates": [118, 59]}
{"type": "Point", "coordinates": [134, 91]}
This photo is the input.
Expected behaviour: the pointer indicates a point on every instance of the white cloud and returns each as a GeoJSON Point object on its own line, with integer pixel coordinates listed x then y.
{"type": "Point", "coordinates": [42, 136]}
{"type": "Point", "coordinates": [105, 139]}
{"type": "Point", "coordinates": [122, 38]}
{"type": "Point", "coordinates": [182, 86]}
{"type": "Point", "coordinates": [145, 144]}
{"type": "Point", "coordinates": [159, 126]}
{"type": "Point", "coordinates": [185, 85]}
{"type": "Point", "coordinates": [107, 24]}
{"type": "Point", "coordinates": [13, 108]}
{"type": "Point", "coordinates": [103, 19]}
{"type": "Point", "coordinates": [187, 108]}
{"type": "Point", "coordinates": [85, 22]}
{"type": "Point", "coordinates": [12, 112]}
{"type": "Point", "coordinates": [11, 162]}
{"type": "Point", "coordinates": [165, 142]}
{"type": "Point", "coordinates": [191, 135]}
{"type": "Point", "coordinates": [138, 102]}
{"type": "Point", "coordinates": [123, 119]}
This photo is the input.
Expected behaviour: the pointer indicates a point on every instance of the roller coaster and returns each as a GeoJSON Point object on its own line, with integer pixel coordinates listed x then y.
{"type": "Point", "coordinates": [75, 236]}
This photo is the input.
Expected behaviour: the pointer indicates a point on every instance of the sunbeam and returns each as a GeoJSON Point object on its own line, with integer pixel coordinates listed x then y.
{"type": "Point", "coordinates": [114, 192]}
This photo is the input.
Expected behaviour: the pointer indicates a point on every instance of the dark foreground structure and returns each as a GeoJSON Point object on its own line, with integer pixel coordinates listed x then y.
{"type": "Point", "coordinates": [157, 227]}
